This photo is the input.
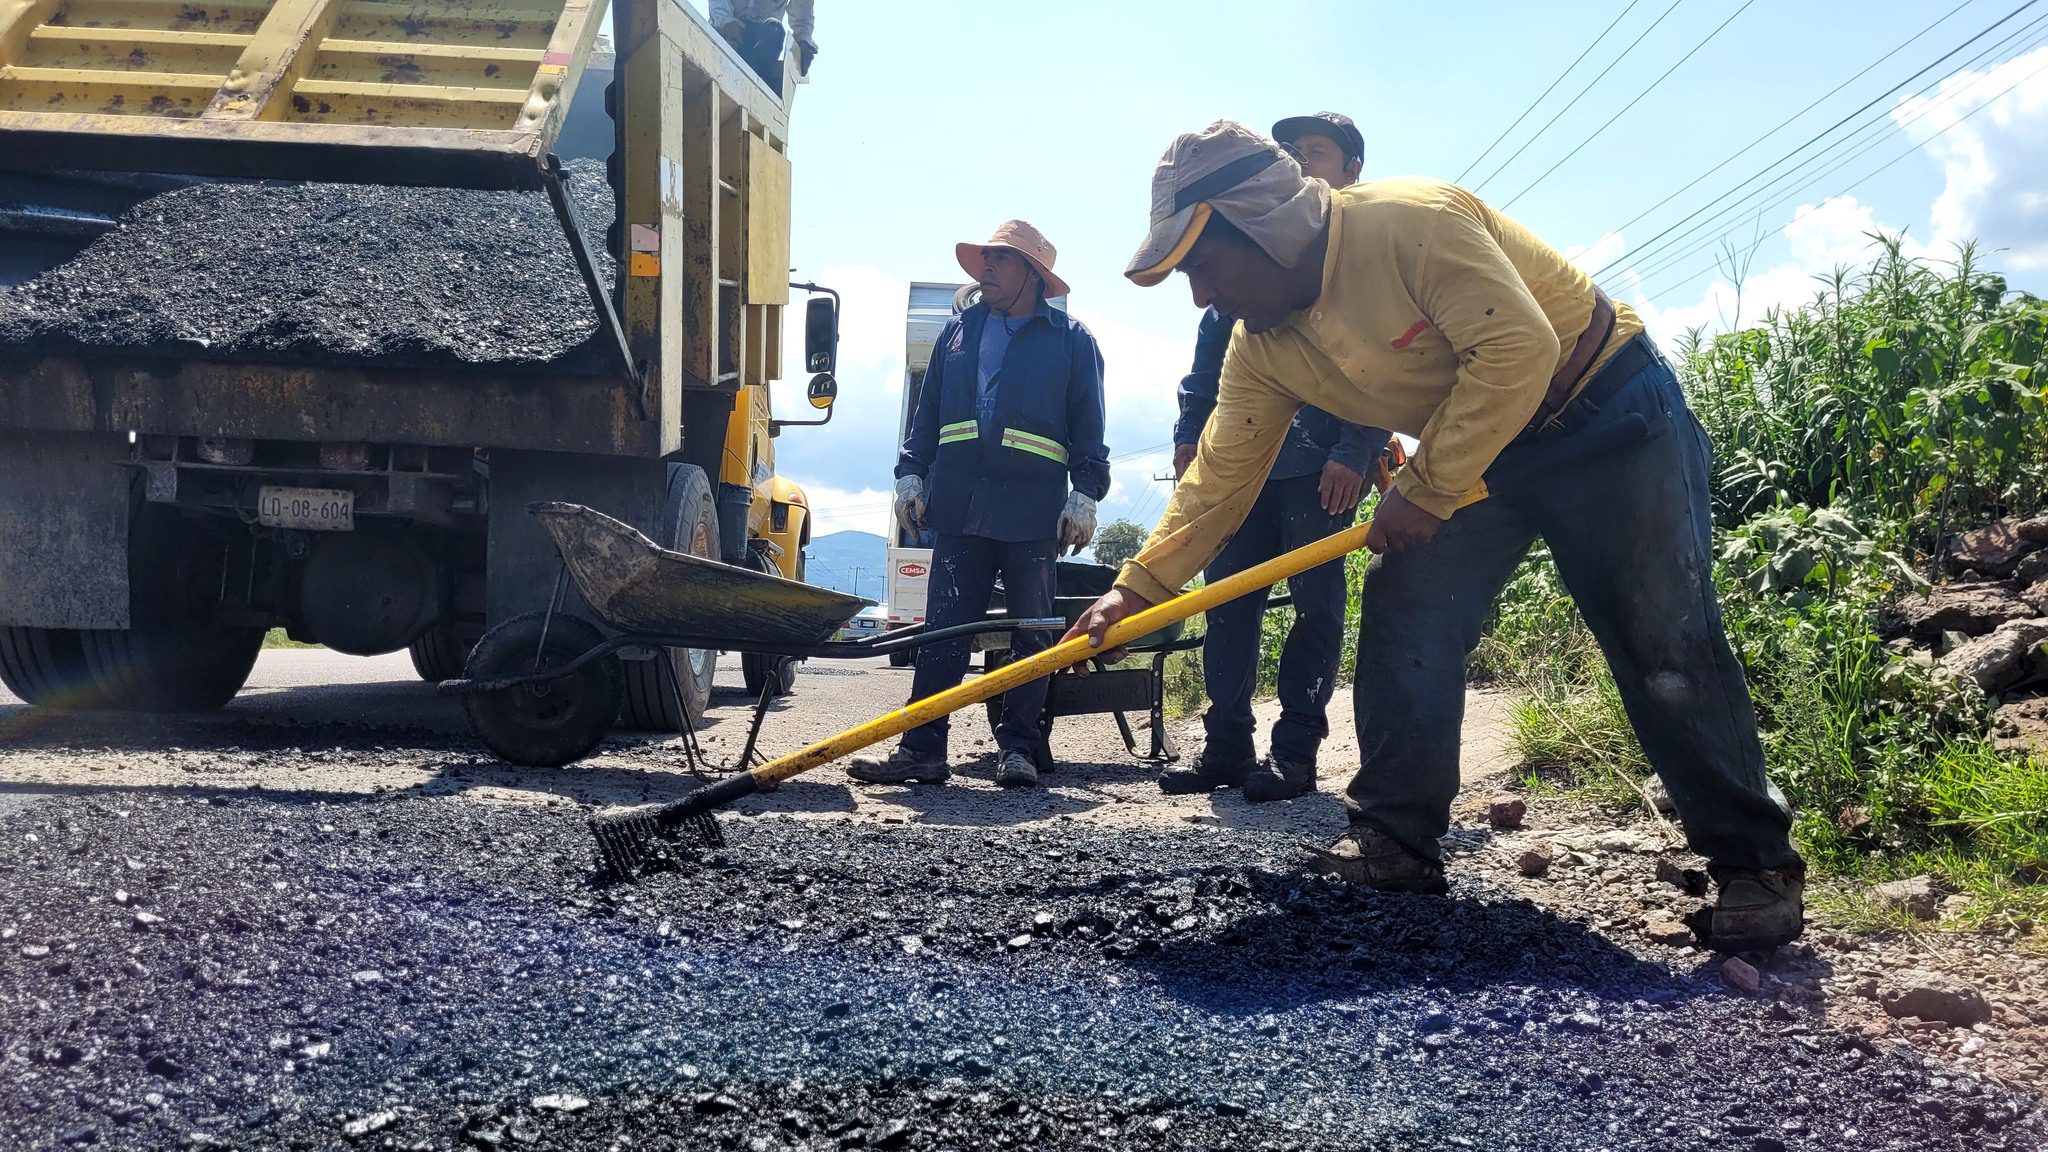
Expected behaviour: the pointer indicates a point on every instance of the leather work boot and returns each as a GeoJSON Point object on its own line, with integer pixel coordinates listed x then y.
{"type": "Point", "coordinates": [1757, 909]}
{"type": "Point", "coordinates": [1373, 859]}
{"type": "Point", "coordinates": [1015, 770]}
{"type": "Point", "coordinates": [1208, 771]}
{"type": "Point", "coordinates": [1279, 779]}
{"type": "Point", "coordinates": [900, 767]}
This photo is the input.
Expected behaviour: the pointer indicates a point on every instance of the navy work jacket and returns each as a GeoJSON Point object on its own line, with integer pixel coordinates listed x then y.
{"type": "Point", "coordinates": [1008, 481]}
{"type": "Point", "coordinates": [1314, 437]}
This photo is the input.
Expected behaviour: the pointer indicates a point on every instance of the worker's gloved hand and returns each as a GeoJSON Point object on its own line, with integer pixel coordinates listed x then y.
{"type": "Point", "coordinates": [805, 53]}
{"type": "Point", "coordinates": [910, 503]}
{"type": "Point", "coordinates": [1183, 456]}
{"type": "Point", "coordinates": [1077, 522]}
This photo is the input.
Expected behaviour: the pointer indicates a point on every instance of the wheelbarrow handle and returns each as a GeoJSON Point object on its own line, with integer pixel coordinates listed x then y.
{"type": "Point", "coordinates": [920, 712]}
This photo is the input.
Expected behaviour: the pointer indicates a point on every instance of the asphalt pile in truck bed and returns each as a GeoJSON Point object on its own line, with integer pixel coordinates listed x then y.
{"type": "Point", "coordinates": [327, 272]}
{"type": "Point", "coordinates": [273, 971]}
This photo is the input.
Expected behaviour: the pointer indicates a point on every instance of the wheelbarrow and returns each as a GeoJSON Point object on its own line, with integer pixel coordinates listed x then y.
{"type": "Point", "coordinates": [1117, 691]}
{"type": "Point", "coordinates": [543, 689]}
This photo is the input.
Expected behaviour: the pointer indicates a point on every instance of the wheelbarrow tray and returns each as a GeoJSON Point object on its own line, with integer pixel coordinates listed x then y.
{"type": "Point", "coordinates": [635, 585]}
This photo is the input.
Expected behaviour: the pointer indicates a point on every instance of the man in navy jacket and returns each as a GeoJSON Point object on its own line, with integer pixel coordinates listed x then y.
{"type": "Point", "coordinates": [1009, 416]}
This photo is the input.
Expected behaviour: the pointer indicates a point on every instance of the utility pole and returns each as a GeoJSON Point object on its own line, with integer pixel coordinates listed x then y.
{"type": "Point", "coordinates": [856, 570]}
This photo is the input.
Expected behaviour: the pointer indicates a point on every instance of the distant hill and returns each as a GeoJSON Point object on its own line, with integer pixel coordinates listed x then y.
{"type": "Point", "coordinates": [852, 562]}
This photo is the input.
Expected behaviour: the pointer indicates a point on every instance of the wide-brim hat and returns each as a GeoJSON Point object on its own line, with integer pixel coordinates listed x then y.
{"type": "Point", "coordinates": [1026, 241]}
{"type": "Point", "coordinates": [1228, 168]}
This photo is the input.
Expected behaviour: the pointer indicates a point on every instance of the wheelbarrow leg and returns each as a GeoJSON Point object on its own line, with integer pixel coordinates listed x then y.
{"type": "Point", "coordinates": [1163, 751]}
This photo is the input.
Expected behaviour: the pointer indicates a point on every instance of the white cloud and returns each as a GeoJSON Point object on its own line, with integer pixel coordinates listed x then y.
{"type": "Point", "coordinates": [1820, 238]}
{"type": "Point", "coordinates": [857, 450]}
{"type": "Point", "coordinates": [1995, 162]}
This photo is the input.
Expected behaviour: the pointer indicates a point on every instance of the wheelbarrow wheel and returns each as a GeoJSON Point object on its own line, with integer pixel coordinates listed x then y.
{"type": "Point", "coordinates": [549, 724]}
{"type": "Point", "coordinates": [775, 673]}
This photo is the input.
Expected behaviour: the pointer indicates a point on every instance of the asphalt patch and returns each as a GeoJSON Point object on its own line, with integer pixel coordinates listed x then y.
{"type": "Point", "coordinates": [352, 272]}
{"type": "Point", "coordinates": [432, 973]}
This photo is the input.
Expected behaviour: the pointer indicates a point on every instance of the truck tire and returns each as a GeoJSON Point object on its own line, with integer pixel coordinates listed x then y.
{"type": "Point", "coordinates": [759, 671]}
{"type": "Point", "coordinates": [171, 657]}
{"type": "Point", "coordinates": [438, 655]}
{"type": "Point", "coordinates": [675, 687]}
{"type": "Point", "coordinates": [46, 667]}
{"type": "Point", "coordinates": [550, 724]}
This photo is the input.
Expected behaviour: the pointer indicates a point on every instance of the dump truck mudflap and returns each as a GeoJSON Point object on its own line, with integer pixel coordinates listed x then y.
{"type": "Point", "coordinates": [64, 512]}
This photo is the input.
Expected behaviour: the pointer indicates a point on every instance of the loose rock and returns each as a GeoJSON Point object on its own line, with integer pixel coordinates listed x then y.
{"type": "Point", "coordinates": [1933, 996]}
{"type": "Point", "coordinates": [1504, 811]}
{"type": "Point", "coordinates": [1916, 897]}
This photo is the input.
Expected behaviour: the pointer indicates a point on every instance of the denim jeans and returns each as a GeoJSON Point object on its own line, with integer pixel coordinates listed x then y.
{"type": "Point", "coordinates": [963, 579]}
{"type": "Point", "coordinates": [1289, 514]}
{"type": "Point", "coordinates": [1622, 500]}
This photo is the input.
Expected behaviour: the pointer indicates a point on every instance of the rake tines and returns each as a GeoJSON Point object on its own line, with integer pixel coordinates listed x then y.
{"type": "Point", "coordinates": [635, 841]}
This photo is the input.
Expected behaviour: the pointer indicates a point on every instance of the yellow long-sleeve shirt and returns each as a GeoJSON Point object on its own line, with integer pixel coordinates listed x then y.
{"type": "Point", "coordinates": [1438, 318]}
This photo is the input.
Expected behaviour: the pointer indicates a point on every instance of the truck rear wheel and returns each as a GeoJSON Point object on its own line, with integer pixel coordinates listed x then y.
{"type": "Point", "coordinates": [664, 693]}
{"type": "Point", "coordinates": [438, 655]}
{"type": "Point", "coordinates": [46, 667]}
{"type": "Point", "coordinates": [171, 657]}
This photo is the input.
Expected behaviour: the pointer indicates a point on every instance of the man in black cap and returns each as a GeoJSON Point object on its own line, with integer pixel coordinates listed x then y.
{"type": "Point", "coordinates": [1328, 145]}
{"type": "Point", "coordinates": [1313, 490]}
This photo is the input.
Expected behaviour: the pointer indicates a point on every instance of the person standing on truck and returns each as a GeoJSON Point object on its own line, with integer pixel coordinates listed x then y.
{"type": "Point", "coordinates": [1312, 491]}
{"type": "Point", "coordinates": [1004, 462]}
{"type": "Point", "coordinates": [1542, 409]}
{"type": "Point", "coordinates": [754, 27]}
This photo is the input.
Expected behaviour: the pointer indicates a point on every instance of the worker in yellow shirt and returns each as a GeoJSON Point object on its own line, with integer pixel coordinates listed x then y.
{"type": "Point", "coordinates": [1542, 410]}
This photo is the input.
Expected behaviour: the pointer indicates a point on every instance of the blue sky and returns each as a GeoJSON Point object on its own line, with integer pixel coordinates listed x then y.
{"type": "Point", "coordinates": [928, 124]}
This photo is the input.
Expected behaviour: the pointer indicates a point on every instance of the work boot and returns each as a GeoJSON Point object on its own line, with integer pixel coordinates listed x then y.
{"type": "Point", "coordinates": [900, 767]}
{"type": "Point", "coordinates": [1015, 770]}
{"type": "Point", "coordinates": [1373, 859]}
{"type": "Point", "coordinates": [1757, 909]}
{"type": "Point", "coordinates": [1208, 771]}
{"type": "Point", "coordinates": [1277, 778]}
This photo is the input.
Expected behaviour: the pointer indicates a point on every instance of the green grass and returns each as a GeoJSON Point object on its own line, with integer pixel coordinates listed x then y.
{"type": "Point", "coordinates": [275, 638]}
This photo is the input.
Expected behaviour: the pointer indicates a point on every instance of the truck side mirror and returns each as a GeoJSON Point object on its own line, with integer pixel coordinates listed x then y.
{"type": "Point", "coordinates": [822, 391]}
{"type": "Point", "coordinates": [821, 339]}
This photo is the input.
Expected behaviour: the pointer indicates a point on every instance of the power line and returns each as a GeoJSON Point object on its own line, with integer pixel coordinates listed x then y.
{"type": "Point", "coordinates": [1582, 95]}
{"type": "Point", "coordinates": [1685, 246]}
{"type": "Point", "coordinates": [1817, 137]}
{"type": "Point", "coordinates": [1901, 156]}
{"type": "Point", "coordinates": [1632, 103]}
{"type": "Point", "coordinates": [1547, 91]}
{"type": "Point", "coordinates": [1783, 124]}
{"type": "Point", "coordinates": [1685, 243]}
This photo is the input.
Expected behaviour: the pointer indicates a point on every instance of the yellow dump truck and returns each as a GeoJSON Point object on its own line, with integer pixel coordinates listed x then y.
{"type": "Point", "coordinates": [164, 502]}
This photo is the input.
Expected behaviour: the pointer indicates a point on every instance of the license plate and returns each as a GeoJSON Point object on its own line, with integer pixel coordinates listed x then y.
{"type": "Point", "coordinates": [311, 509]}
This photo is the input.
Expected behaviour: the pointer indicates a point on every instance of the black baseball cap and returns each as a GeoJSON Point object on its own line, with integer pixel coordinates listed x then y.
{"type": "Point", "coordinates": [1334, 125]}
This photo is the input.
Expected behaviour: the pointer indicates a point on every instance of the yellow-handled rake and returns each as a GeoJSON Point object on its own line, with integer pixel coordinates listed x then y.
{"type": "Point", "coordinates": [630, 839]}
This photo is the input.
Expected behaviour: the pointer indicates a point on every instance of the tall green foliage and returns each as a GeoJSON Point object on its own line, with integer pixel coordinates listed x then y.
{"type": "Point", "coordinates": [1853, 438]}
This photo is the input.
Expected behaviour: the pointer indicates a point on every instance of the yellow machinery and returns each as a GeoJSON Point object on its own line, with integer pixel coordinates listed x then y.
{"type": "Point", "coordinates": [116, 463]}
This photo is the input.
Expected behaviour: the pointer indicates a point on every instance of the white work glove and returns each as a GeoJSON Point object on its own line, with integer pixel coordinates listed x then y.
{"type": "Point", "coordinates": [1077, 522]}
{"type": "Point", "coordinates": [910, 504]}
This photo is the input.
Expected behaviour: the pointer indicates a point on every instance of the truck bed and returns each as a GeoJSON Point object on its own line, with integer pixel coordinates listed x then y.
{"type": "Point", "coordinates": [347, 275]}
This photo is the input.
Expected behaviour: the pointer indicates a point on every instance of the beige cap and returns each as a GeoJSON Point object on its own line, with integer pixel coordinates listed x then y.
{"type": "Point", "coordinates": [1025, 241]}
{"type": "Point", "coordinates": [1231, 169]}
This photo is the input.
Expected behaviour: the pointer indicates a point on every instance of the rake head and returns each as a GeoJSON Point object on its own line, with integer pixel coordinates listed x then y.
{"type": "Point", "coordinates": [632, 842]}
